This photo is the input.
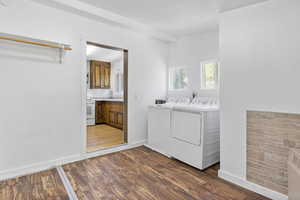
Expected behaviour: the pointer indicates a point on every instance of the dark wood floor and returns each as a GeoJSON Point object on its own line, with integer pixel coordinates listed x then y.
{"type": "Point", "coordinates": [40, 186]}
{"type": "Point", "coordinates": [142, 174]}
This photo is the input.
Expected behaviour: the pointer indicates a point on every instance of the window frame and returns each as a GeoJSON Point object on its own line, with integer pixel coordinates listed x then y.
{"type": "Point", "coordinates": [202, 73]}
{"type": "Point", "coordinates": [170, 79]}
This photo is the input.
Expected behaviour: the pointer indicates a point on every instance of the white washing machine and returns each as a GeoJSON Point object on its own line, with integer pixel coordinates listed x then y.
{"type": "Point", "coordinates": [159, 128]}
{"type": "Point", "coordinates": [189, 132]}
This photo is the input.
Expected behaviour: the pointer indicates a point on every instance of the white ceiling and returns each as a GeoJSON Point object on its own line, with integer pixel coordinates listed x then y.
{"type": "Point", "coordinates": [162, 19]}
{"type": "Point", "coordinates": [174, 17]}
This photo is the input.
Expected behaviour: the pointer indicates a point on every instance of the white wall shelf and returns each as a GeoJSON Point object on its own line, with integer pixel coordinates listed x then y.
{"type": "Point", "coordinates": [37, 42]}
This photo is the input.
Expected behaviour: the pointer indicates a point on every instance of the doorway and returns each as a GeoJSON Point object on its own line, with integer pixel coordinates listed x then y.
{"type": "Point", "coordinates": [107, 104]}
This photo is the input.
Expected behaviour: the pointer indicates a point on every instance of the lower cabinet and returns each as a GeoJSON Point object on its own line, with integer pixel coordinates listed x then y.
{"type": "Point", "coordinates": [110, 113]}
{"type": "Point", "coordinates": [119, 120]}
{"type": "Point", "coordinates": [115, 119]}
{"type": "Point", "coordinates": [111, 117]}
{"type": "Point", "coordinates": [100, 113]}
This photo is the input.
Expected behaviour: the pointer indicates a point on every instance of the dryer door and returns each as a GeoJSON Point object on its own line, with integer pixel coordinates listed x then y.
{"type": "Point", "coordinates": [187, 127]}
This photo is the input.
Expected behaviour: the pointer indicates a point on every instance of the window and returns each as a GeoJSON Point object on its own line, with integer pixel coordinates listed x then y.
{"type": "Point", "coordinates": [178, 79]}
{"type": "Point", "coordinates": [209, 75]}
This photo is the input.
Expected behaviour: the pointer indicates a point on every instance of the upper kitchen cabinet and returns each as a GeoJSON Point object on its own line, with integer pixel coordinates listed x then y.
{"type": "Point", "coordinates": [99, 75]}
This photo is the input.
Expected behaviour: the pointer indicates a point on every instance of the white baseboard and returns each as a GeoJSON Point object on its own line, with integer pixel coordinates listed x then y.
{"type": "Point", "coordinates": [38, 167]}
{"type": "Point", "coordinates": [34, 168]}
{"type": "Point", "coordinates": [157, 150]}
{"type": "Point", "coordinates": [251, 186]}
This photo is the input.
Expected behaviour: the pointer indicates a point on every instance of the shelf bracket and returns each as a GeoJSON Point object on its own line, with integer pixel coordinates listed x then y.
{"type": "Point", "coordinates": [60, 56]}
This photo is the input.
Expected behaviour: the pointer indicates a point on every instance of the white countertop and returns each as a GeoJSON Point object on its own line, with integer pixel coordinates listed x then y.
{"type": "Point", "coordinates": [186, 107]}
{"type": "Point", "coordinates": [109, 99]}
{"type": "Point", "coordinates": [195, 108]}
{"type": "Point", "coordinates": [161, 106]}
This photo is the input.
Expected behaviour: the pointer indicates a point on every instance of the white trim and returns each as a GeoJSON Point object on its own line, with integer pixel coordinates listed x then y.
{"type": "Point", "coordinates": [202, 63]}
{"type": "Point", "coordinates": [271, 110]}
{"type": "Point", "coordinates": [224, 8]}
{"type": "Point", "coordinates": [83, 43]}
{"type": "Point", "coordinates": [251, 186]}
{"type": "Point", "coordinates": [37, 167]}
{"type": "Point", "coordinates": [102, 15]}
{"type": "Point", "coordinates": [71, 193]}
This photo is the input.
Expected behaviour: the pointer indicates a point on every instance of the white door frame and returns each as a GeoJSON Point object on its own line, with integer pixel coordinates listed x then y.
{"type": "Point", "coordinates": [83, 45]}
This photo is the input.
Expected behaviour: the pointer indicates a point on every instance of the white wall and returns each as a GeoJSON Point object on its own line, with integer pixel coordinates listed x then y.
{"type": "Point", "coordinates": [259, 52]}
{"type": "Point", "coordinates": [189, 51]}
{"type": "Point", "coordinates": [41, 116]}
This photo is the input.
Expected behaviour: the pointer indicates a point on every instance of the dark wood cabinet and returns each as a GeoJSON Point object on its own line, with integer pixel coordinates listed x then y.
{"type": "Point", "coordinates": [100, 112]}
{"type": "Point", "coordinates": [119, 120]}
{"type": "Point", "coordinates": [115, 119]}
{"type": "Point", "coordinates": [110, 113]}
{"type": "Point", "coordinates": [106, 78]}
{"type": "Point", "coordinates": [99, 75]}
